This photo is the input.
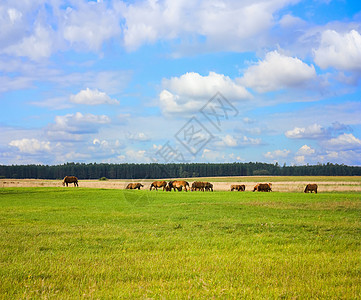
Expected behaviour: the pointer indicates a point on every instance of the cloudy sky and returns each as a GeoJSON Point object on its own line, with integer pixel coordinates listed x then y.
{"type": "Point", "coordinates": [176, 80]}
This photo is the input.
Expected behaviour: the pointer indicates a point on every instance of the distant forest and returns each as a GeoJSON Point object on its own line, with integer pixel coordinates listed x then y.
{"type": "Point", "coordinates": [154, 170]}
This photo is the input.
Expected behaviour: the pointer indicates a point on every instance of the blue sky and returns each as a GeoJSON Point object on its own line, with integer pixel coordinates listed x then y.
{"type": "Point", "coordinates": [174, 81]}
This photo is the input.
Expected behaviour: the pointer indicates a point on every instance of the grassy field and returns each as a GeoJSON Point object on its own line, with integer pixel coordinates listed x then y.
{"type": "Point", "coordinates": [100, 243]}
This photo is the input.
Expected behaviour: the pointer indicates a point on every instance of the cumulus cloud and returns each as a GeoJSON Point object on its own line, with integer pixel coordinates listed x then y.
{"type": "Point", "coordinates": [238, 141]}
{"type": "Point", "coordinates": [135, 156]}
{"type": "Point", "coordinates": [37, 29]}
{"type": "Point", "coordinates": [229, 25]}
{"type": "Point", "coordinates": [316, 131]}
{"type": "Point", "coordinates": [299, 159]}
{"type": "Point", "coordinates": [197, 86]}
{"type": "Point", "coordinates": [31, 146]}
{"type": "Point", "coordinates": [36, 46]}
{"type": "Point", "coordinates": [92, 97]}
{"type": "Point", "coordinates": [90, 24]}
{"type": "Point", "coordinates": [306, 150]}
{"type": "Point", "coordinates": [73, 126]}
{"type": "Point", "coordinates": [311, 132]}
{"type": "Point", "coordinates": [211, 155]}
{"type": "Point", "coordinates": [346, 141]}
{"type": "Point", "coordinates": [339, 50]}
{"type": "Point", "coordinates": [276, 72]}
{"type": "Point", "coordinates": [190, 91]}
{"type": "Point", "coordinates": [230, 141]}
{"type": "Point", "coordinates": [277, 154]}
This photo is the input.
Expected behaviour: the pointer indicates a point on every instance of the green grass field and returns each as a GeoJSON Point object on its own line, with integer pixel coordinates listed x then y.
{"type": "Point", "coordinates": [63, 243]}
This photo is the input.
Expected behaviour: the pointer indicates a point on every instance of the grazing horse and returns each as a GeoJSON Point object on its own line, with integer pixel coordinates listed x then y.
{"type": "Point", "coordinates": [311, 188]}
{"type": "Point", "coordinates": [70, 179]}
{"type": "Point", "coordinates": [238, 187]}
{"type": "Point", "coordinates": [208, 186]}
{"type": "Point", "coordinates": [178, 184]}
{"type": "Point", "coordinates": [158, 184]}
{"type": "Point", "coordinates": [198, 185]}
{"type": "Point", "coordinates": [134, 186]}
{"type": "Point", "coordinates": [263, 187]}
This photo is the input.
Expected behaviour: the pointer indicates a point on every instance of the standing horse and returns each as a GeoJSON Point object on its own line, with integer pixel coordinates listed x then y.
{"type": "Point", "coordinates": [158, 184]}
{"type": "Point", "coordinates": [178, 184]}
{"type": "Point", "coordinates": [70, 179]}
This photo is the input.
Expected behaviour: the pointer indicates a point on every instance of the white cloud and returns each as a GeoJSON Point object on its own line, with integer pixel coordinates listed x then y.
{"type": "Point", "coordinates": [299, 159]}
{"type": "Point", "coordinates": [135, 156]}
{"type": "Point", "coordinates": [306, 150]}
{"type": "Point", "coordinates": [14, 15]}
{"type": "Point", "coordinates": [227, 25]}
{"type": "Point", "coordinates": [241, 141]}
{"type": "Point", "coordinates": [73, 126]}
{"type": "Point", "coordinates": [276, 72]}
{"type": "Point", "coordinates": [197, 86]}
{"type": "Point", "coordinates": [57, 103]}
{"type": "Point", "coordinates": [102, 143]}
{"type": "Point", "coordinates": [190, 91]}
{"type": "Point", "coordinates": [245, 140]}
{"type": "Point", "coordinates": [92, 97]}
{"type": "Point", "coordinates": [90, 25]}
{"type": "Point", "coordinates": [288, 21]}
{"type": "Point", "coordinates": [72, 155]}
{"type": "Point", "coordinates": [36, 46]}
{"type": "Point", "coordinates": [140, 136]}
{"type": "Point", "coordinates": [338, 50]}
{"type": "Point", "coordinates": [310, 132]}
{"type": "Point", "coordinates": [276, 154]}
{"type": "Point", "coordinates": [230, 141]}
{"type": "Point", "coordinates": [212, 156]}
{"type": "Point", "coordinates": [31, 146]}
{"type": "Point", "coordinates": [346, 141]}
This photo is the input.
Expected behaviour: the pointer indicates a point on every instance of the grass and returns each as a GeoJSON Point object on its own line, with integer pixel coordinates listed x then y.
{"type": "Point", "coordinates": [95, 243]}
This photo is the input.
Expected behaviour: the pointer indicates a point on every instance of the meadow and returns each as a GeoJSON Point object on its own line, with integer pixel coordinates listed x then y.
{"type": "Point", "coordinates": [66, 243]}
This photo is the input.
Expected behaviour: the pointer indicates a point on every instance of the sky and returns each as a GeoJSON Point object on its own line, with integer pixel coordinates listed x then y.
{"type": "Point", "coordinates": [180, 81]}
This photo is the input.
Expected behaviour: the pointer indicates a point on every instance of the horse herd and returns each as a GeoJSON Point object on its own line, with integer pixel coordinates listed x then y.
{"type": "Point", "coordinates": [175, 185]}
{"type": "Point", "coordinates": [179, 185]}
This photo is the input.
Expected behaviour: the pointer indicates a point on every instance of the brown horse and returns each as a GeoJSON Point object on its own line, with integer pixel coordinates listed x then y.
{"type": "Point", "coordinates": [208, 186]}
{"type": "Point", "coordinates": [70, 179]}
{"type": "Point", "coordinates": [158, 184]}
{"type": "Point", "coordinates": [311, 188]}
{"type": "Point", "coordinates": [134, 186]}
{"type": "Point", "coordinates": [178, 184]}
{"type": "Point", "coordinates": [198, 185]}
{"type": "Point", "coordinates": [238, 187]}
{"type": "Point", "coordinates": [263, 187]}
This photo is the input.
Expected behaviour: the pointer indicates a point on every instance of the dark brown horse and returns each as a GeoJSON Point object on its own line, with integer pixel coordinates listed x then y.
{"type": "Point", "coordinates": [238, 187]}
{"type": "Point", "coordinates": [198, 186]}
{"type": "Point", "coordinates": [70, 179]}
{"type": "Point", "coordinates": [311, 188]}
{"type": "Point", "coordinates": [158, 184]}
{"type": "Point", "coordinates": [208, 186]}
{"type": "Point", "coordinates": [263, 187]}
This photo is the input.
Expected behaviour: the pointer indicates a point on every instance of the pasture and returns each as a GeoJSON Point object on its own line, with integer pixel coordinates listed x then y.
{"type": "Point", "coordinates": [109, 243]}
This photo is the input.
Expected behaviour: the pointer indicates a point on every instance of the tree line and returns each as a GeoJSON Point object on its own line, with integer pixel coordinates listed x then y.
{"type": "Point", "coordinates": [179, 170]}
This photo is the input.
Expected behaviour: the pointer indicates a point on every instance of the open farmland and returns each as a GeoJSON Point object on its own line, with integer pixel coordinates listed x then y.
{"type": "Point", "coordinates": [279, 183]}
{"type": "Point", "coordinates": [110, 243]}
